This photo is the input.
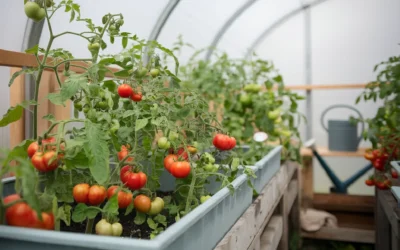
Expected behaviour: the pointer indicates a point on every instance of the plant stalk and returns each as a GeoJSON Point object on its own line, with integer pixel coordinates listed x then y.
{"type": "Point", "coordinates": [190, 194]}
{"type": "Point", "coordinates": [89, 226]}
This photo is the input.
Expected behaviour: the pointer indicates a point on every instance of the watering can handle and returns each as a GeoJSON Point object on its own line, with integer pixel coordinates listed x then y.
{"type": "Point", "coordinates": [342, 106]}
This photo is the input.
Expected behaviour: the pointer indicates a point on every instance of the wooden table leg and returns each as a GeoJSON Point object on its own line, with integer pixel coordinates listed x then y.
{"type": "Point", "coordinates": [307, 182]}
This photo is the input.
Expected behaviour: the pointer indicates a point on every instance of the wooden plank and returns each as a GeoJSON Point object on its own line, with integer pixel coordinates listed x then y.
{"type": "Point", "coordinates": [291, 196]}
{"type": "Point", "coordinates": [342, 234]}
{"type": "Point", "coordinates": [307, 182]}
{"type": "Point", "coordinates": [344, 202]}
{"type": "Point", "coordinates": [269, 239]}
{"type": "Point", "coordinates": [382, 226]}
{"type": "Point", "coordinates": [246, 232]}
{"type": "Point", "coordinates": [284, 240]}
{"type": "Point", "coordinates": [324, 151]}
{"type": "Point", "coordinates": [18, 59]}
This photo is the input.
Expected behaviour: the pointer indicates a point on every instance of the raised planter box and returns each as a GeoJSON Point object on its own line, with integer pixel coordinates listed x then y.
{"type": "Point", "coordinates": [201, 229]}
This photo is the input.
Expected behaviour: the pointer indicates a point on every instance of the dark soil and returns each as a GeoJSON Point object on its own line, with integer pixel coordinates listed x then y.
{"type": "Point", "coordinates": [131, 230]}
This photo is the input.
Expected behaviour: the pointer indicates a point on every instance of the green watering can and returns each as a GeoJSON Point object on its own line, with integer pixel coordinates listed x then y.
{"type": "Point", "coordinates": [342, 135]}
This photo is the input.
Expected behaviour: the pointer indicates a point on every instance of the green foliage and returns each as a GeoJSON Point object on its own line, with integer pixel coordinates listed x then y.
{"type": "Point", "coordinates": [235, 87]}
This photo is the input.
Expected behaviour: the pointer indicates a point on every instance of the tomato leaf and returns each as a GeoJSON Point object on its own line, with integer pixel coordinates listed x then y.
{"type": "Point", "coordinates": [122, 73]}
{"type": "Point", "coordinates": [64, 214]}
{"type": "Point", "coordinates": [33, 50]}
{"type": "Point", "coordinates": [112, 205]}
{"type": "Point", "coordinates": [18, 151]}
{"type": "Point", "coordinates": [46, 201]}
{"type": "Point", "coordinates": [235, 163]}
{"type": "Point", "coordinates": [151, 223]}
{"type": "Point", "coordinates": [78, 215]}
{"type": "Point", "coordinates": [110, 84]}
{"type": "Point", "coordinates": [141, 123]}
{"type": "Point", "coordinates": [72, 16]}
{"type": "Point", "coordinates": [21, 72]}
{"type": "Point", "coordinates": [13, 114]}
{"type": "Point", "coordinates": [70, 87]}
{"type": "Point", "coordinates": [97, 152]}
{"type": "Point", "coordinates": [161, 219]}
{"type": "Point", "coordinates": [140, 218]}
{"type": "Point", "coordinates": [129, 209]}
{"type": "Point", "coordinates": [25, 169]}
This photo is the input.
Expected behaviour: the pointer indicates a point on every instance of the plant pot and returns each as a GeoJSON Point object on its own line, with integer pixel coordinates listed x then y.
{"type": "Point", "coordinates": [201, 229]}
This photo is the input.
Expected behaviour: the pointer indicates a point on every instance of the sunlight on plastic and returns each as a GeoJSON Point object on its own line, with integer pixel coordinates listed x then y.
{"type": "Point", "coordinates": [260, 136]}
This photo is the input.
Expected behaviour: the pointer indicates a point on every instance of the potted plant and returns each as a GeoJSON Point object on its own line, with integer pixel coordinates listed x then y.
{"type": "Point", "coordinates": [248, 96]}
{"type": "Point", "coordinates": [383, 129]}
{"type": "Point", "coordinates": [133, 167]}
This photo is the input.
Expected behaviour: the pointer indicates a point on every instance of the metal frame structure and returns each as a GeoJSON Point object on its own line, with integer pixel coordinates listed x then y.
{"type": "Point", "coordinates": [226, 26]}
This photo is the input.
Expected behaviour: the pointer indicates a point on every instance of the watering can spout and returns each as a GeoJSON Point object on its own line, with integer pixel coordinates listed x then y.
{"type": "Point", "coordinates": [342, 134]}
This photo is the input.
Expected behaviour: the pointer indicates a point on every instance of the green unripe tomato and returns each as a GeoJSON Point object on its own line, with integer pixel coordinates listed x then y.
{"type": "Point", "coordinates": [31, 9]}
{"type": "Point", "coordinates": [173, 136]}
{"type": "Point", "coordinates": [102, 105]}
{"type": "Point", "coordinates": [245, 99]}
{"type": "Point", "coordinates": [273, 115]}
{"type": "Point", "coordinates": [49, 3]}
{"type": "Point", "coordinates": [120, 22]}
{"type": "Point", "coordinates": [103, 228]}
{"type": "Point", "coordinates": [154, 72]}
{"type": "Point", "coordinates": [285, 133]}
{"type": "Point", "coordinates": [93, 46]}
{"type": "Point", "coordinates": [86, 109]}
{"type": "Point", "coordinates": [40, 15]}
{"type": "Point", "coordinates": [116, 229]}
{"type": "Point", "coordinates": [104, 19]}
{"type": "Point", "coordinates": [141, 72]}
{"type": "Point", "coordinates": [278, 121]}
{"type": "Point", "coordinates": [157, 205]}
{"type": "Point", "coordinates": [252, 88]}
{"type": "Point", "coordinates": [78, 106]}
{"type": "Point", "coordinates": [204, 198]}
{"type": "Point", "coordinates": [112, 27]}
{"type": "Point", "coordinates": [163, 143]}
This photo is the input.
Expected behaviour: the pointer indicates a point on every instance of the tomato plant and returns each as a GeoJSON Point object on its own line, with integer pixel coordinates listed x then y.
{"type": "Point", "coordinates": [121, 107]}
{"type": "Point", "coordinates": [383, 129]}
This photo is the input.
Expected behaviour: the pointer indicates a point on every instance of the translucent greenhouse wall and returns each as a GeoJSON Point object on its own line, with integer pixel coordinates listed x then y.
{"type": "Point", "coordinates": [347, 39]}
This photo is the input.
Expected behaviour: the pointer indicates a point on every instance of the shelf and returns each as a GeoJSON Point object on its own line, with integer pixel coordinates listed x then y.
{"type": "Point", "coordinates": [342, 234]}
{"type": "Point", "coordinates": [324, 151]}
{"type": "Point", "coordinates": [343, 202]}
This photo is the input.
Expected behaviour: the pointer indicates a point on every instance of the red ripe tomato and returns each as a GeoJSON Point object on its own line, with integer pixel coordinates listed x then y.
{"type": "Point", "coordinates": [124, 198]}
{"type": "Point", "coordinates": [47, 221]}
{"type": "Point", "coordinates": [136, 97]}
{"type": "Point", "coordinates": [21, 215]}
{"type": "Point", "coordinates": [125, 91]}
{"type": "Point", "coordinates": [224, 142]}
{"type": "Point", "coordinates": [368, 155]}
{"type": "Point", "coordinates": [38, 163]}
{"type": "Point", "coordinates": [50, 160]}
{"type": "Point", "coordinates": [97, 194]}
{"type": "Point", "coordinates": [10, 198]}
{"type": "Point", "coordinates": [81, 193]}
{"type": "Point", "coordinates": [180, 169]}
{"type": "Point", "coordinates": [378, 164]}
{"type": "Point", "coordinates": [183, 154]}
{"type": "Point", "coordinates": [169, 160]}
{"type": "Point", "coordinates": [369, 182]}
{"type": "Point", "coordinates": [123, 153]}
{"type": "Point", "coordinates": [122, 175]}
{"type": "Point", "coordinates": [33, 147]}
{"type": "Point", "coordinates": [395, 175]}
{"type": "Point", "coordinates": [142, 203]}
{"type": "Point", "coordinates": [135, 181]}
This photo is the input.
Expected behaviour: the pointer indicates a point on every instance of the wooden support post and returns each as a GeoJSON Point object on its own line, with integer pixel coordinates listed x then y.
{"type": "Point", "coordinates": [283, 208]}
{"type": "Point", "coordinates": [307, 182]}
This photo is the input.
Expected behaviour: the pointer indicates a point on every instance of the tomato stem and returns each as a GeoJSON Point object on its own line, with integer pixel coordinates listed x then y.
{"type": "Point", "coordinates": [89, 226]}
{"type": "Point", "coordinates": [190, 194]}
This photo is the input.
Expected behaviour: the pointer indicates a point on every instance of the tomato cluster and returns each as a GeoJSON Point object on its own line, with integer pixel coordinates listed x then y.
{"type": "Point", "coordinates": [21, 214]}
{"type": "Point", "coordinates": [92, 195]}
{"type": "Point", "coordinates": [44, 157]}
{"type": "Point", "coordinates": [131, 179]}
{"type": "Point", "coordinates": [224, 142]}
{"type": "Point", "coordinates": [126, 91]}
{"type": "Point", "coordinates": [177, 168]}
{"type": "Point", "coordinates": [103, 227]}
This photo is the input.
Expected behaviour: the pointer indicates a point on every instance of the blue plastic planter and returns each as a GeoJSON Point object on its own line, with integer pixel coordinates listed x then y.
{"type": "Point", "coordinates": [267, 167]}
{"type": "Point", "coordinates": [201, 229]}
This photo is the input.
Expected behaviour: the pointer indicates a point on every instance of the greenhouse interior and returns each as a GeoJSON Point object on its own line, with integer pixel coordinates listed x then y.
{"type": "Point", "coordinates": [200, 125]}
